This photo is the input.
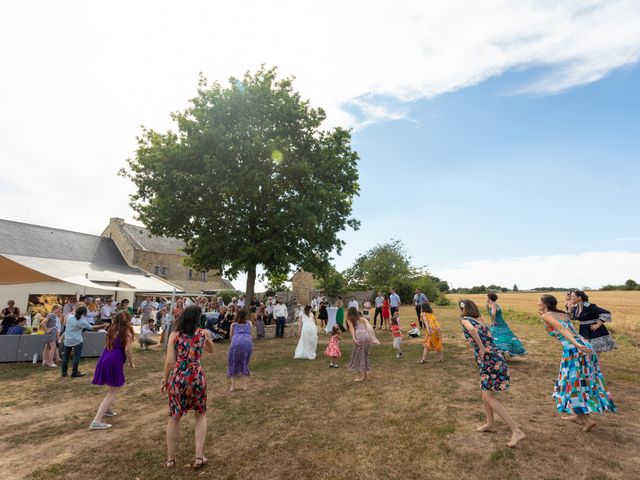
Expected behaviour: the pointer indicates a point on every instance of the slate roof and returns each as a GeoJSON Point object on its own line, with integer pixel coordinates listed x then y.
{"type": "Point", "coordinates": [142, 239]}
{"type": "Point", "coordinates": [29, 240]}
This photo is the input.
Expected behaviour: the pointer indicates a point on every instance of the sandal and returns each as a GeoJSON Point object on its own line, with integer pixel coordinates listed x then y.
{"type": "Point", "coordinates": [171, 463]}
{"type": "Point", "coordinates": [201, 463]}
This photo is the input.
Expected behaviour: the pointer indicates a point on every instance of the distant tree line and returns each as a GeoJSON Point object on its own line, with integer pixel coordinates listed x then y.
{"type": "Point", "coordinates": [383, 267]}
{"type": "Point", "coordinates": [628, 286]}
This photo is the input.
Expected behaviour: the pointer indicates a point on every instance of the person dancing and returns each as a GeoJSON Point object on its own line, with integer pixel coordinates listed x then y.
{"type": "Point", "coordinates": [494, 373]}
{"type": "Point", "coordinates": [110, 366]}
{"type": "Point", "coordinates": [503, 337]}
{"type": "Point", "coordinates": [580, 388]}
{"type": "Point", "coordinates": [185, 382]}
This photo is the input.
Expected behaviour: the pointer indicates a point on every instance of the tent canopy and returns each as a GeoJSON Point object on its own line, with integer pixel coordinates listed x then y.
{"type": "Point", "coordinates": [16, 269]}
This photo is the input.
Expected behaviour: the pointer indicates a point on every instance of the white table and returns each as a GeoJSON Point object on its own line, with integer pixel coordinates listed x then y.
{"type": "Point", "coordinates": [331, 322]}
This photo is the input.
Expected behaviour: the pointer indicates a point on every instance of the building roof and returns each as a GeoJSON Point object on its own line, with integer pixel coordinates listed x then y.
{"type": "Point", "coordinates": [29, 240]}
{"type": "Point", "coordinates": [34, 253]}
{"type": "Point", "coordinates": [142, 239]}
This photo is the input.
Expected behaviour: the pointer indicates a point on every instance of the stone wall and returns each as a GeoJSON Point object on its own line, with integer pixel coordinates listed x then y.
{"type": "Point", "coordinates": [176, 272]}
{"type": "Point", "coordinates": [302, 284]}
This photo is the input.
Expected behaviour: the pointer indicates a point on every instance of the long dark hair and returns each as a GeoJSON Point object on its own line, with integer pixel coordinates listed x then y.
{"type": "Point", "coordinates": [81, 310]}
{"type": "Point", "coordinates": [189, 320]}
{"type": "Point", "coordinates": [551, 303]}
{"type": "Point", "coordinates": [120, 328]}
{"type": "Point", "coordinates": [426, 307]}
{"type": "Point", "coordinates": [241, 316]}
{"type": "Point", "coordinates": [581, 295]}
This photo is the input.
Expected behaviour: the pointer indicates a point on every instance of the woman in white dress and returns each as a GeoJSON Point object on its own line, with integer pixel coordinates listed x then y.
{"type": "Point", "coordinates": [308, 332]}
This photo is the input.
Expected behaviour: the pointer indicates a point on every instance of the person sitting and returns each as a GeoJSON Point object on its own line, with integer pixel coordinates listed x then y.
{"type": "Point", "coordinates": [18, 328]}
{"type": "Point", "coordinates": [415, 331]}
{"type": "Point", "coordinates": [146, 335]}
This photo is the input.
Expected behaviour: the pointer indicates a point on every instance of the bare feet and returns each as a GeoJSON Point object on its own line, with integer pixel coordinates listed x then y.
{"type": "Point", "coordinates": [515, 438]}
{"type": "Point", "coordinates": [572, 418]}
{"type": "Point", "coordinates": [358, 379]}
{"type": "Point", "coordinates": [244, 387]}
{"type": "Point", "coordinates": [486, 428]}
{"type": "Point", "coordinates": [422, 361]}
{"type": "Point", "coordinates": [588, 425]}
{"type": "Point", "coordinates": [232, 389]}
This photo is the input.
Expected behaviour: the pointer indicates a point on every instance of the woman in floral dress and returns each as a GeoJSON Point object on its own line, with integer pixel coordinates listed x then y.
{"type": "Point", "coordinates": [580, 388]}
{"type": "Point", "coordinates": [362, 340]}
{"type": "Point", "coordinates": [494, 373]}
{"type": "Point", "coordinates": [185, 381]}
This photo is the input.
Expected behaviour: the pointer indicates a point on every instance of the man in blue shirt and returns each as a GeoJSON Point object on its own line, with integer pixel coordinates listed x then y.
{"type": "Point", "coordinates": [394, 300]}
{"type": "Point", "coordinates": [419, 299]}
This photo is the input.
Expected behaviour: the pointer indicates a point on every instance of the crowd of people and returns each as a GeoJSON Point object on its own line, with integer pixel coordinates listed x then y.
{"type": "Point", "coordinates": [579, 391]}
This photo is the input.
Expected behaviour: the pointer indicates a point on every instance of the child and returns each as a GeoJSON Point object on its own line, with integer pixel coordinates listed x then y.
{"type": "Point", "coordinates": [433, 338]}
{"type": "Point", "coordinates": [50, 337]}
{"type": "Point", "coordinates": [415, 331]}
{"type": "Point", "coordinates": [259, 321]}
{"type": "Point", "coordinates": [396, 333]}
{"type": "Point", "coordinates": [333, 349]}
{"type": "Point", "coordinates": [366, 309]}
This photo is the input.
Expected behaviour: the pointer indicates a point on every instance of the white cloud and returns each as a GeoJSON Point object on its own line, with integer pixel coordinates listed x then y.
{"type": "Point", "coordinates": [592, 269]}
{"type": "Point", "coordinates": [80, 77]}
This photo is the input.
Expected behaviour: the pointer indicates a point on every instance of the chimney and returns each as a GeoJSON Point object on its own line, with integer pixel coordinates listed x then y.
{"type": "Point", "coordinates": [117, 221]}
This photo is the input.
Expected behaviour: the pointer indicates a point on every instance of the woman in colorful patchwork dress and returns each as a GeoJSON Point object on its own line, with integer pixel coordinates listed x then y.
{"type": "Point", "coordinates": [494, 373]}
{"type": "Point", "coordinates": [580, 388]}
{"type": "Point", "coordinates": [592, 319]}
{"type": "Point", "coordinates": [503, 337]}
{"type": "Point", "coordinates": [185, 381]}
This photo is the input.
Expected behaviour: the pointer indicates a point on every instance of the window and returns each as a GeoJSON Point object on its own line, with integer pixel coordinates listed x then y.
{"type": "Point", "coordinates": [164, 271]}
{"type": "Point", "coordinates": [156, 270]}
{"type": "Point", "coordinates": [190, 275]}
{"type": "Point", "coordinates": [160, 271]}
{"type": "Point", "coordinates": [203, 276]}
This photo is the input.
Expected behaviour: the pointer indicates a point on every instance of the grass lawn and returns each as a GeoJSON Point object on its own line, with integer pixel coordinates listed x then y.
{"type": "Point", "coordinates": [301, 419]}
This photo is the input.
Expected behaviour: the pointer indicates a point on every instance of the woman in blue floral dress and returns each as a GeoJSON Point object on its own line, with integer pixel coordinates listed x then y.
{"type": "Point", "coordinates": [185, 382]}
{"type": "Point", "coordinates": [494, 373]}
{"type": "Point", "coordinates": [580, 388]}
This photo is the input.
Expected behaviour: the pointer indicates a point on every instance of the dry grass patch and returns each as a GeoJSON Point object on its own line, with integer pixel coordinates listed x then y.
{"type": "Point", "coordinates": [301, 419]}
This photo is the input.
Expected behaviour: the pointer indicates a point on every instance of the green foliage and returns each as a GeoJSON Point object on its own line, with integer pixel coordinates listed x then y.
{"type": "Point", "coordinates": [515, 287]}
{"type": "Point", "coordinates": [227, 295]}
{"type": "Point", "coordinates": [380, 267]}
{"type": "Point", "coordinates": [249, 178]}
{"type": "Point", "coordinates": [629, 285]}
{"type": "Point", "coordinates": [332, 283]}
{"type": "Point", "coordinates": [276, 283]}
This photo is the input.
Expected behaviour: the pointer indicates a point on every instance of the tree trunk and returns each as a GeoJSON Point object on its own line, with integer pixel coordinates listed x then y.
{"type": "Point", "coordinates": [251, 285]}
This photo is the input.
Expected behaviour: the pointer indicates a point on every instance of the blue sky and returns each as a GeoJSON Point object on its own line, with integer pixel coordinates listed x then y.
{"type": "Point", "coordinates": [489, 173]}
{"type": "Point", "coordinates": [474, 146]}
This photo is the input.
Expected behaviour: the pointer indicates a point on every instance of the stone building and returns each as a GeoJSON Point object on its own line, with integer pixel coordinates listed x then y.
{"type": "Point", "coordinates": [162, 256]}
{"type": "Point", "coordinates": [303, 286]}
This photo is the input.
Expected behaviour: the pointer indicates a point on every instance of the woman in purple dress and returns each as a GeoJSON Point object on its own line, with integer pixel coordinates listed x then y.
{"type": "Point", "coordinates": [110, 366]}
{"type": "Point", "coordinates": [240, 351]}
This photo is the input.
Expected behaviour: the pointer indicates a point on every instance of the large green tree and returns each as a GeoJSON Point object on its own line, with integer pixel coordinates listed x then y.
{"type": "Point", "coordinates": [249, 178]}
{"type": "Point", "coordinates": [380, 266]}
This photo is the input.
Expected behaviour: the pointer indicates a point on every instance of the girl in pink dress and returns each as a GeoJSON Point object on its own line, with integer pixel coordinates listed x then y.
{"type": "Point", "coordinates": [333, 349]}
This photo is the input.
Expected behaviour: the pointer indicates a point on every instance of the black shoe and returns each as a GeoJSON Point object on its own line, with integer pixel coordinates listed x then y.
{"type": "Point", "coordinates": [79, 374]}
{"type": "Point", "coordinates": [64, 374]}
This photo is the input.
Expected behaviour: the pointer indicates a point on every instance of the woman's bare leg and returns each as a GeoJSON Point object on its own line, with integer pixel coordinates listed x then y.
{"type": "Point", "coordinates": [497, 407]}
{"type": "Point", "coordinates": [489, 426]}
{"type": "Point", "coordinates": [173, 431]}
{"type": "Point", "coordinates": [200, 431]}
{"type": "Point", "coordinates": [586, 420]}
{"type": "Point", "coordinates": [106, 403]}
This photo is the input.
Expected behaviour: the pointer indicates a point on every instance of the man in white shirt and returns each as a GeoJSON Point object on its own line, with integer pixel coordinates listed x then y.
{"type": "Point", "coordinates": [146, 335]}
{"type": "Point", "coordinates": [280, 313]}
{"type": "Point", "coordinates": [106, 311]}
{"type": "Point", "coordinates": [379, 302]}
{"type": "Point", "coordinates": [419, 299]}
{"type": "Point", "coordinates": [242, 302]}
{"type": "Point", "coordinates": [354, 303]}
